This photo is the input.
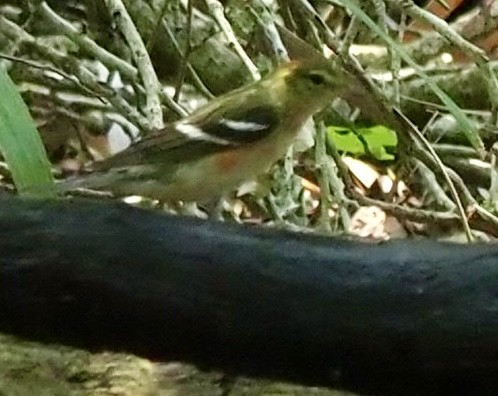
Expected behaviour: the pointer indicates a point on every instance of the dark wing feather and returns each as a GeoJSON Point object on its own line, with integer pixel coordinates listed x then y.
{"type": "Point", "coordinates": [222, 131]}
{"type": "Point", "coordinates": [246, 126]}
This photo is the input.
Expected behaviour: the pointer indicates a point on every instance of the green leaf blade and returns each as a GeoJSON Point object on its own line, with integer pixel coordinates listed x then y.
{"type": "Point", "coordinates": [21, 145]}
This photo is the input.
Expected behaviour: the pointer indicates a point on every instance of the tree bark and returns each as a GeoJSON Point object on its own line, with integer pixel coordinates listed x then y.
{"type": "Point", "coordinates": [402, 317]}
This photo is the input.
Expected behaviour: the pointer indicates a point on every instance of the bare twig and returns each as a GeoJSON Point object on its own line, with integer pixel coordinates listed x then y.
{"type": "Point", "coordinates": [71, 66]}
{"type": "Point", "coordinates": [459, 151]}
{"type": "Point", "coordinates": [401, 212]}
{"type": "Point", "coordinates": [87, 44]}
{"type": "Point", "coordinates": [430, 181]}
{"type": "Point", "coordinates": [266, 21]}
{"type": "Point", "coordinates": [37, 65]}
{"type": "Point", "coordinates": [350, 36]}
{"type": "Point", "coordinates": [323, 179]}
{"type": "Point", "coordinates": [447, 177]}
{"type": "Point", "coordinates": [337, 186]}
{"type": "Point", "coordinates": [218, 13]}
{"type": "Point", "coordinates": [186, 54]}
{"type": "Point", "coordinates": [142, 59]}
{"type": "Point", "coordinates": [473, 52]}
{"type": "Point", "coordinates": [196, 80]}
{"type": "Point", "coordinates": [405, 213]}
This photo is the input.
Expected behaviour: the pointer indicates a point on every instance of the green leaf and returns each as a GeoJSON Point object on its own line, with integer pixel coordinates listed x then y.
{"type": "Point", "coordinates": [345, 140]}
{"type": "Point", "coordinates": [21, 145]}
{"type": "Point", "coordinates": [377, 138]}
{"type": "Point", "coordinates": [379, 135]}
{"type": "Point", "coordinates": [373, 140]}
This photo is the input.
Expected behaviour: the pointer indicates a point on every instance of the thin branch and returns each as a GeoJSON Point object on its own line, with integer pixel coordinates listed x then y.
{"type": "Point", "coordinates": [111, 61]}
{"type": "Point", "coordinates": [186, 54]}
{"type": "Point", "coordinates": [196, 80]}
{"type": "Point", "coordinates": [405, 213]}
{"type": "Point", "coordinates": [454, 150]}
{"type": "Point", "coordinates": [323, 179]}
{"type": "Point", "coordinates": [401, 212]}
{"type": "Point", "coordinates": [446, 176]}
{"type": "Point", "coordinates": [48, 68]}
{"type": "Point", "coordinates": [431, 183]}
{"type": "Point", "coordinates": [218, 13]}
{"type": "Point", "coordinates": [142, 59]}
{"type": "Point", "coordinates": [72, 66]}
{"type": "Point", "coordinates": [472, 51]}
{"type": "Point", "coordinates": [266, 22]}
{"type": "Point", "coordinates": [351, 33]}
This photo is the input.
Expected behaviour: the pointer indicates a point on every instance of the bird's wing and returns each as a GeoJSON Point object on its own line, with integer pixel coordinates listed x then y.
{"type": "Point", "coordinates": [197, 136]}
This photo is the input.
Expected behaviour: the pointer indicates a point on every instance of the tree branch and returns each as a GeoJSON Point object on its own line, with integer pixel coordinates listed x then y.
{"type": "Point", "coordinates": [404, 317]}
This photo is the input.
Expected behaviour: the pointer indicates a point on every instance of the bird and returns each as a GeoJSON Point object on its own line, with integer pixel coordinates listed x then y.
{"type": "Point", "coordinates": [233, 138]}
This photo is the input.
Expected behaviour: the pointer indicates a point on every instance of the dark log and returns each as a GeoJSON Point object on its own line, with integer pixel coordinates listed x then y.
{"type": "Point", "coordinates": [403, 317]}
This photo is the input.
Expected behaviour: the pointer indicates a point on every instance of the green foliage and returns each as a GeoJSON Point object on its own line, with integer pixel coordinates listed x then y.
{"type": "Point", "coordinates": [378, 141]}
{"type": "Point", "coordinates": [21, 145]}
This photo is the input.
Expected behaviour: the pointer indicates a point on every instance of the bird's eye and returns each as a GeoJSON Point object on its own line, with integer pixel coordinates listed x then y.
{"type": "Point", "coordinates": [317, 78]}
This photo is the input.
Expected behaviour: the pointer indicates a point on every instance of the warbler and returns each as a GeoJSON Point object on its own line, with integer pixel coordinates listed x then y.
{"type": "Point", "coordinates": [233, 138]}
